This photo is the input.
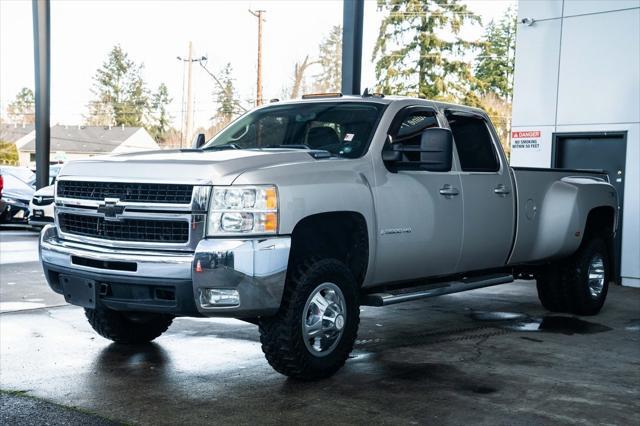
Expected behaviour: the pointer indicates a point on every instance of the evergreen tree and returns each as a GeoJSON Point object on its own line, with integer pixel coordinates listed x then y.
{"type": "Point", "coordinates": [160, 118]}
{"type": "Point", "coordinates": [494, 68]}
{"type": "Point", "coordinates": [121, 95]}
{"type": "Point", "coordinates": [226, 97]}
{"type": "Point", "coordinates": [22, 109]}
{"type": "Point", "coordinates": [411, 55]}
{"type": "Point", "coordinates": [330, 61]}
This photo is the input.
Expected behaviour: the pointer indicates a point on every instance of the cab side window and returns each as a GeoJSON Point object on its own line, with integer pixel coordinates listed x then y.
{"type": "Point", "coordinates": [474, 143]}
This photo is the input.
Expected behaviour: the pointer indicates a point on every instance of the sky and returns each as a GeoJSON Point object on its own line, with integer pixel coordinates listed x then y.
{"type": "Point", "coordinates": [154, 33]}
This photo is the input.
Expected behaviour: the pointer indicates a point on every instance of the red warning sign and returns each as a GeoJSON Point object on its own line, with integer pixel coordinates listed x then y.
{"type": "Point", "coordinates": [525, 134]}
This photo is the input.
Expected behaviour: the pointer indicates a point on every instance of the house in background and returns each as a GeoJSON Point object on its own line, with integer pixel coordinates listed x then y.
{"type": "Point", "coordinates": [76, 142]}
{"type": "Point", "coordinates": [13, 135]}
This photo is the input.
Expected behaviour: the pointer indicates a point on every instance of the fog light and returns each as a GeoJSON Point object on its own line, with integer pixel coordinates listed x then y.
{"type": "Point", "coordinates": [210, 297]}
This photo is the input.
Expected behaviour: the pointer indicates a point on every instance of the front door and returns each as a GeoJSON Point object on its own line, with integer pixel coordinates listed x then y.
{"type": "Point", "coordinates": [488, 194]}
{"type": "Point", "coordinates": [604, 150]}
{"type": "Point", "coordinates": [419, 213]}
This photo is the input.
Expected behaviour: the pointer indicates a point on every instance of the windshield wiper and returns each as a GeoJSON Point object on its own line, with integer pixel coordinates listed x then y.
{"type": "Point", "coordinates": [221, 147]}
{"type": "Point", "coordinates": [288, 146]}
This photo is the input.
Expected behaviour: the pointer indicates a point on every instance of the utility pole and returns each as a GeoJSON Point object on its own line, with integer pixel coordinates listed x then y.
{"type": "Point", "coordinates": [189, 121]}
{"type": "Point", "coordinates": [258, 14]}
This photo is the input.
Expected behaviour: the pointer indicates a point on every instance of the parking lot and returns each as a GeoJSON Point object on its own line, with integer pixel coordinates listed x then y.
{"type": "Point", "coordinates": [490, 356]}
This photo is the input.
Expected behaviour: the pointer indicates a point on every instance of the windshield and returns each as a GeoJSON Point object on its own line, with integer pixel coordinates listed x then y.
{"type": "Point", "coordinates": [341, 128]}
{"type": "Point", "coordinates": [21, 173]}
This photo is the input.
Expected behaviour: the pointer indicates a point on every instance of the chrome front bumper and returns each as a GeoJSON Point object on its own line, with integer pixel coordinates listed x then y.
{"type": "Point", "coordinates": [256, 268]}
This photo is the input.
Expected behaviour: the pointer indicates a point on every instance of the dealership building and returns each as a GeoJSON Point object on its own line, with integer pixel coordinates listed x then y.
{"type": "Point", "coordinates": [576, 100]}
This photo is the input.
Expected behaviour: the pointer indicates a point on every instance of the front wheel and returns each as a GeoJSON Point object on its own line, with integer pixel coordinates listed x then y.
{"type": "Point", "coordinates": [127, 327]}
{"type": "Point", "coordinates": [314, 331]}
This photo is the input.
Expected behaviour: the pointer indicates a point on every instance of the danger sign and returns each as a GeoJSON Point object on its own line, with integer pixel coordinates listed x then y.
{"type": "Point", "coordinates": [525, 139]}
{"type": "Point", "coordinates": [525, 134]}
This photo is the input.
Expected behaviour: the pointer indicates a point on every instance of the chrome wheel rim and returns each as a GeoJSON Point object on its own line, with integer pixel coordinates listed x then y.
{"type": "Point", "coordinates": [596, 275]}
{"type": "Point", "coordinates": [323, 319]}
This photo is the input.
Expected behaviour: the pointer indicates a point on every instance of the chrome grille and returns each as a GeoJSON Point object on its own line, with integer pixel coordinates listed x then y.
{"type": "Point", "coordinates": [139, 230]}
{"type": "Point", "coordinates": [125, 191]}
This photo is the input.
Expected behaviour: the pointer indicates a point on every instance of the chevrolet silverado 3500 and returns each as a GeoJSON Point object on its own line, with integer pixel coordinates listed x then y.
{"type": "Point", "coordinates": [299, 212]}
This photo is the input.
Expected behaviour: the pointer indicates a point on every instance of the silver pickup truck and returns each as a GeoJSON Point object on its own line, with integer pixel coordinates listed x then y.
{"type": "Point", "coordinates": [299, 212]}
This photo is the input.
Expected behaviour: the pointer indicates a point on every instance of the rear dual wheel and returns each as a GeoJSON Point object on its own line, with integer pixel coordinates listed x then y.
{"type": "Point", "coordinates": [578, 284]}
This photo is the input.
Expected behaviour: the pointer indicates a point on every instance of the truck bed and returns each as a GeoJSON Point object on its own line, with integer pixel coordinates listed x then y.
{"type": "Point", "coordinates": [551, 210]}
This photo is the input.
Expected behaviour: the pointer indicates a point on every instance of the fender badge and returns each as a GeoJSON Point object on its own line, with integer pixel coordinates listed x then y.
{"type": "Point", "coordinates": [395, 231]}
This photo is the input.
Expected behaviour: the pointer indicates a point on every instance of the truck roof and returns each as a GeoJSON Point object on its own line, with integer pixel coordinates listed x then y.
{"type": "Point", "coordinates": [386, 100]}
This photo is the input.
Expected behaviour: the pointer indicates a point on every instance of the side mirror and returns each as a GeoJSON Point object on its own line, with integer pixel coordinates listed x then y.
{"type": "Point", "coordinates": [391, 156]}
{"type": "Point", "coordinates": [198, 141]}
{"type": "Point", "coordinates": [436, 148]}
{"type": "Point", "coordinates": [434, 153]}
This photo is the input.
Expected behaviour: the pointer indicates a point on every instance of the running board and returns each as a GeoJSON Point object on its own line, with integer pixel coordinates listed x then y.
{"type": "Point", "coordinates": [432, 290]}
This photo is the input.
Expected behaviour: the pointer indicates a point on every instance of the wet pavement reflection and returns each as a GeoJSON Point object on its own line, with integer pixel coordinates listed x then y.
{"type": "Point", "coordinates": [477, 357]}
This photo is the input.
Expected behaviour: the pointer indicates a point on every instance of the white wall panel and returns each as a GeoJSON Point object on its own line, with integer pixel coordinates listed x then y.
{"type": "Point", "coordinates": [539, 9]}
{"type": "Point", "coordinates": [600, 69]}
{"type": "Point", "coordinates": [578, 7]}
{"type": "Point", "coordinates": [536, 73]}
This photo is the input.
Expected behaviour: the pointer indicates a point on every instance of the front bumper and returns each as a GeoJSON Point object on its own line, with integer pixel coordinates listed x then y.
{"type": "Point", "coordinates": [40, 215]}
{"type": "Point", "coordinates": [172, 282]}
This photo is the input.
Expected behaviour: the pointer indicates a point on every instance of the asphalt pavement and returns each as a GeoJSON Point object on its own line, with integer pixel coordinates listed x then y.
{"type": "Point", "coordinates": [22, 283]}
{"type": "Point", "coordinates": [489, 356]}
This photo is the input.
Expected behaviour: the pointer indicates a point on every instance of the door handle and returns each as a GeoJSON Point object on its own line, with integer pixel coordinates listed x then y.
{"type": "Point", "coordinates": [449, 191]}
{"type": "Point", "coordinates": [501, 190]}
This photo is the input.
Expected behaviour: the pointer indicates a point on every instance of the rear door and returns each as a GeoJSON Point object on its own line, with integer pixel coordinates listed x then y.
{"type": "Point", "coordinates": [488, 198]}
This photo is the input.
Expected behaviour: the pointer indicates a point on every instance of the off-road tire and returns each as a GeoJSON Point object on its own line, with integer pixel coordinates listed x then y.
{"type": "Point", "coordinates": [564, 286]}
{"type": "Point", "coordinates": [127, 328]}
{"type": "Point", "coordinates": [281, 335]}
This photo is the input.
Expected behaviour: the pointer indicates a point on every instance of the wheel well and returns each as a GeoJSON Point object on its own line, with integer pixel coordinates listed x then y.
{"type": "Point", "coordinates": [339, 235]}
{"type": "Point", "coordinates": [600, 222]}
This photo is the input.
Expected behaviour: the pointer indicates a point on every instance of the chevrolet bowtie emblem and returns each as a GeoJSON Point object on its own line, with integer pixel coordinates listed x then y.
{"type": "Point", "coordinates": [110, 208]}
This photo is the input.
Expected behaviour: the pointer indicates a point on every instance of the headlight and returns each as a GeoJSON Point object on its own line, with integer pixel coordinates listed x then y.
{"type": "Point", "coordinates": [243, 210]}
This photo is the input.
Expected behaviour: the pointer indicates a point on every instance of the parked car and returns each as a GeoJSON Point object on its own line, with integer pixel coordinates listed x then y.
{"type": "Point", "coordinates": [41, 207]}
{"type": "Point", "coordinates": [299, 212]}
{"type": "Point", "coordinates": [19, 186]}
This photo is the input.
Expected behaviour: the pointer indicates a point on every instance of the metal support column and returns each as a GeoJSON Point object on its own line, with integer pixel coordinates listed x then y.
{"type": "Point", "coordinates": [42, 63]}
{"type": "Point", "coordinates": [352, 21]}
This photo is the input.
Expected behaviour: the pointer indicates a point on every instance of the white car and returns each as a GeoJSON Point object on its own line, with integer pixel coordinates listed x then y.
{"type": "Point", "coordinates": [41, 207]}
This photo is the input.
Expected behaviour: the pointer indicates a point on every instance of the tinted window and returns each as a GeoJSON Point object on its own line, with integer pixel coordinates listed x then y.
{"type": "Point", "coordinates": [474, 144]}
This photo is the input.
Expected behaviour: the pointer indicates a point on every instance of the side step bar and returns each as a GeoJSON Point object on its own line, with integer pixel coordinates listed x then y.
{"type": "Point", "coordinates": [432, 290]}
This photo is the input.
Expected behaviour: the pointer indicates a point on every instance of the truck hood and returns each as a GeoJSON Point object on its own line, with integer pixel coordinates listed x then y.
{"type": "Point", "coordinates": [189, 166]}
